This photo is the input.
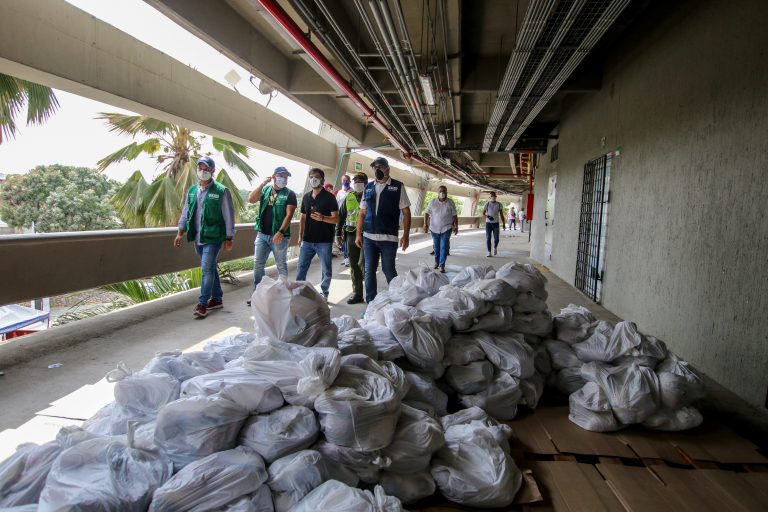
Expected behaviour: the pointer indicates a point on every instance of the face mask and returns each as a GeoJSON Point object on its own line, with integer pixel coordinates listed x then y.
{"type": "Point", "coordinates": [493, 199]}
{"type": "Point", "coordinates": [345, 183]}
{"type": "Point", "coordinates": [441, 195]}
{"type": "Point", "coordinates": [281, 182]}
{"type": "Point", "coordinates": [379, 174]}
{"type": "Point", "coordinates": [315, 182]}
{"type": "Point", "coordinates": [359, 187]}
{"type": "Point", "coordinates": [204, 175]}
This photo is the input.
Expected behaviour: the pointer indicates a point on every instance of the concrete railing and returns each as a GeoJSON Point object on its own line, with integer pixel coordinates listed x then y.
{"type": "Point", "coordinates": [50, 264]}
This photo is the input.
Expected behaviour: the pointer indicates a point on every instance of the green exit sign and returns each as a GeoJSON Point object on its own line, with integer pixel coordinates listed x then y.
{"type": "Point", "coordinates": [358, 166]}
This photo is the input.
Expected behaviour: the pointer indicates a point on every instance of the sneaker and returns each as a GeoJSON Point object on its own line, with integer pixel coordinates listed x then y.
{"type": "Point", "coordinates": [355, 299]}
{"type": "Point", "coordinates": [442, 270]}
{"type": "Point", "coordinates": [488, 255]}
{"type": "Point", "coordinates": [432, 253]}
{"type": "Point", "coordinates": [215, 304]}
{"type": "Point", "coordinates": [436, 266]}
{"type": "Point", "coordinates": [248, 303]}
{"type": "Point", "coordinates": [345, 262]}
{"type": "Point", "coordinates": [495, 251]}
{"type": "Point", "coordinates": [325, 296]}
{"type": "Point", "coordinates": [201, 311]}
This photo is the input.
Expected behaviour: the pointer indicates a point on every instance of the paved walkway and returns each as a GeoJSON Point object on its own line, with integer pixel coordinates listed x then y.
{"type": "Point", "coordinates": [77, 389]}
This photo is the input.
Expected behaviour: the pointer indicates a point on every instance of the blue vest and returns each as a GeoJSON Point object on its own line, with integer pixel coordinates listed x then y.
{"type": "Point", "coordinates": [385, 221]}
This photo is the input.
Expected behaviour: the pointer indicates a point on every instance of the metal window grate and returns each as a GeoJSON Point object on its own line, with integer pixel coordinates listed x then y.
{"type": "Point", "coordinates": [553, 154]}
{"type": "Point", "coordinates": [592, 224]}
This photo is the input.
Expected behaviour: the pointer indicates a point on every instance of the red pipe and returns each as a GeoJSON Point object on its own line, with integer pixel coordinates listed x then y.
{"type": "Point", "coordinates": [290, 26]}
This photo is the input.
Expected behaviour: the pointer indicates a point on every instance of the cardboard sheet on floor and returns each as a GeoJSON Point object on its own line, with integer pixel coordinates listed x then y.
{"type": "Point", "coordinates": [651, 445]}
{"type": "Point", "coordinates": [572, 487]}
{"type": "Point", "coordinates": [639, 490]}
{"type": "Point", "coordinates": [714, 489]}
{"type": "Point", "coordinates": [39, 429]}
{"type": "Point", "coordinates": [717, 443]}
{"type": "Point", "coordinates": [570, 438]}
{"type": "Point", "coordinates": [82, 403]}
{"type": "Point", "coordinates": [530, 435]}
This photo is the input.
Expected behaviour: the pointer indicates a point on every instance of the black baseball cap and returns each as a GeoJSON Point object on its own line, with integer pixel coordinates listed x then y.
{"type": "Point", "coordinates": [380, 161]}
{"type": "Point", "coordinates": [281, 170]}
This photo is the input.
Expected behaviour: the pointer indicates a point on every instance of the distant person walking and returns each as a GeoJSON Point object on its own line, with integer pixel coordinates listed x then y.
{"type": "Point", "coordinates": [512, 218]}
{"type": "Point", "coordinates": [273, 224]}
{"type": "Point", "coordinates": [494, 215]}
{"type": "Point", "coordinates": [319, 215]}
{"type": "Point", "coordinates": [521, 217]}
{"type": "Point", "coordinates": [440, 219]}
{"type": "Point", "coordinates": [340, 197]}
{"type": "Point", "coordinates": [208, 219]}
{"type": "Point", "coordinates": [377, 226]}
{"type": "Point", "coordinates": [346, 231]}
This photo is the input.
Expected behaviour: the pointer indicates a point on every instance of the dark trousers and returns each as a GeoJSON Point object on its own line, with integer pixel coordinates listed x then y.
{"type": "Point", "coordinates": [372, 251]}
{"type": "Point", "coordinates": [491, 228]}
{"type": "Point", "coordinates": [356, 263]}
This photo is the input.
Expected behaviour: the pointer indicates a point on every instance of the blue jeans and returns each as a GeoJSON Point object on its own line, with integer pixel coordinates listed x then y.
{"type": "Point", "coordinates": [263, 246]}
{"type": "Point", "coordinates": [210, 288]}
{"type": "Point", "coordinates": [441, 244]}
{"type": "Point", "coordinates": [491, 228]}
{"type": "Point", "coordinates": [372, 250]}
{"type": "Point", "coordinates": [324, 252]}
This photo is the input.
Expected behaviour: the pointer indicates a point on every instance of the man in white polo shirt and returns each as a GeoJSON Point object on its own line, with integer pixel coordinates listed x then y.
{"type": "Point", "coordinates": [440, 219]}
{"type": "Point", "coordinates": [377, 225]}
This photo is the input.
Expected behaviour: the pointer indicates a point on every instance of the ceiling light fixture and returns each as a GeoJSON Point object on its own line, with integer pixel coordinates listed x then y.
{"type": "Point", "coordinates": [429, 92]}
{"type": "Point", "coordinates": [441, 138]}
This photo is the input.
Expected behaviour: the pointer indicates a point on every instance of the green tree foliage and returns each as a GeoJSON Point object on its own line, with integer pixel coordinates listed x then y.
{"type": "Point", "coordinates": [457, 201]}
{"type": "Point", "coordinates": [59, 198]}
{"type": "Point", "coordinates": [41, 104]}
{"type": "Point", "coordinates": [176, 150]}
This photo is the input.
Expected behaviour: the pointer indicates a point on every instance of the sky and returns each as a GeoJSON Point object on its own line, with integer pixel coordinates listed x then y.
{"type": "Point", "coordinates": [74, 137]}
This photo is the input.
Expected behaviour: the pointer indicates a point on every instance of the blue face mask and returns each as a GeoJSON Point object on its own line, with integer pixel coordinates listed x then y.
{"type": "Point", "coordinates": [345, 184]}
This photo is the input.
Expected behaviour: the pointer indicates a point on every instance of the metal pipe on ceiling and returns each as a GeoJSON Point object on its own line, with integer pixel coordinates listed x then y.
{"type": "Point", "coordinates": [444, 23]}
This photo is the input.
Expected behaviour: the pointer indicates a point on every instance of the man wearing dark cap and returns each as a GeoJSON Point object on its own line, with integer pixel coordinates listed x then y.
{"type": "Point", "coordinates": [273, 224]}
{"type": "Point", "coordinates": [319, 214]}
{"type": "Point", "coordinates": [378, 223]}
{"type": "Point", "coordinates": [346, 232]}
{"type": "Point", "coordinates": [208, 218]}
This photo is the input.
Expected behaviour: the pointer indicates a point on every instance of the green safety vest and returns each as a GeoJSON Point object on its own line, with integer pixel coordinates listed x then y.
{"type": "Point", "coordinates": [353, 210]}
{"type": "Point", "coordinates": [278, 209]}
{"type": "Point", "coordinates": [213, 230]}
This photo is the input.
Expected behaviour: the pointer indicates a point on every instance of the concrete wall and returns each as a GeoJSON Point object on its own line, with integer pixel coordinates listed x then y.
{"type": "Point", "coordinates": [685, 99]}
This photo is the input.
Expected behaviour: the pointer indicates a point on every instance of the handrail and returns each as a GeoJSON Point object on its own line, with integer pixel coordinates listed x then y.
{"type": "Point", "coordinates": [49, 264]}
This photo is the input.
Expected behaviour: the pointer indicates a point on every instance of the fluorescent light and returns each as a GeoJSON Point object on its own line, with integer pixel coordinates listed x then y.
{"type": "Point", "coordinates": [426, 87]}
{"type": "Point", "coordinates": [441, 138]}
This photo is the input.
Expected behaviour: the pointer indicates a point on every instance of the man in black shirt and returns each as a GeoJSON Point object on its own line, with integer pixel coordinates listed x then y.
{"type": "Point", "coordinates": [319, 214]}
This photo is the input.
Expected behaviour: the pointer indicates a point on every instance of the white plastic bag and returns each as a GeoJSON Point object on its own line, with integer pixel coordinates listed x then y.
{"type": "Point", "coordinates": [472, 469]}
{"type": "Point", "coordinates": [508, 352]}
{"type": "Point", "coordinates": [679, 384]}
{"type": "Point", "coordinates": [357, 341]}
{"type": "Point", "coordinates": [573, 324]}
{"type": "Point", "coordinates": [105, 473]}
{"type": "Point", "coordinates": [607, 342]}
{"type": "Point", "coordinates": [423, 389]}
{"type": "Point", "coordinates": [416, 438]}
{"type": "Point", "coordinates": [294, 476]}
{"type": "Point", "coordinates": [23, 474]}
{"type": "Point", "coordinates": [527, 302]}
{"type": "Point", "coordinates": [246, 389]}
{"type": "Point", "coordinates": [408, 488]}
{"type": "Point", "coordinates": [338, 497]}
{"type": "Point", "coordinates": [524, 277]}
{"type": "Point", "coordinates": [562, 355]}
{"type": "Point", "coordinates": [387, 369]}
{"type": "Point", "coordinates": [360, 411]}
{"type": "Point", "coordinates": [473, 273]}
{"type": "Point", "coordinates": [632, 390]}
{"type": "Point", "coordinates": [494, 290]}
{"type": "Point", "coordinates": [387, 346]}
{"type": "Point", "coordinates": [475, 416]}
{"type": "Point", "coordinates": [670, 420]}
{"type": "Point", "coordinates": [139, 396]}
{"type": "Point", "coordinates": [569, 380]}
{"type": "Point", "coordinates": [470, 378]}
{"type": "Point", "coordinates": [231, 347]}
{"type": "Point", "coordinates": [456, 305]}
{"type": "Point", "coordinates": [500, 399]}
{"type": "Point", "coordinates": [424, 277]}
{"type": "Point", "coordinates": [374, 312]}
{"type": "Point", "coordinates": [541, 360]}
{"type": "Point", "coordinates": [259, 501]}
{"type": "Point", "coordinates": [532, 389]}
{"type": "Point", "coordinates": [421, 336]}
{"type": "Point", "coordinates": [211, 482]}
{"type": "Point", "coordinates": [192, 428]}
{"type": "Point", "coordinates": [292, 312]}
{"type": "Point", "coordinates": [498, 319]}
{"type": "Point", "coordinates": [345, 323]}
{"type": "Point", "coordinates": [591, 410]}
{"type": "Point", "coordinates": [366, 465]}
{"type": "Point", "coordinates": [462, 349]}
{"type": "Point", "coordinates": [301, 373]}
{"type": "Point", "coordinates": [649, 353]}
{"type": "Point", "coordinates": [186, 365]}
{"type": "Point", "coordinates": [538, 324]}
{"type": "Point", "coordinates": [283, 431]}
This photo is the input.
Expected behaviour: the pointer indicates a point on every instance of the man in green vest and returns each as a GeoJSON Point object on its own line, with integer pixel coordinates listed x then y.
{"type": "Point", "coordinates": [346, 230]}
{"type": "Point", "coordinates": [208, 219]}
{"type": "Point", "coordinates": [273, 225]}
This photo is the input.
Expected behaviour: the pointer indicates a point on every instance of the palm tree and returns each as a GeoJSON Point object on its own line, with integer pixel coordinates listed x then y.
{"type": "Point", "coordinates": [14, 92]}
{"type": "Point", "coordinates": [176, 150]}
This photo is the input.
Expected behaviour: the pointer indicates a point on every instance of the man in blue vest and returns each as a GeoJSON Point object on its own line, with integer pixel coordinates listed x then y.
{"type": "Point", "coordinates": [208, 219]}
{"type": "Point", "coordinates": [377, 225]}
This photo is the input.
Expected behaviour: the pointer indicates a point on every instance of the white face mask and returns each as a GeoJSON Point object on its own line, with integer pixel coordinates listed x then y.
{"type": "Point", "coordinates": [441, 195]}
{"type": "Point", "coordinates": [315, 182]}
{"type": "Point", "coordinates": [281, 181]}
{"type": "Point", "coordinates": [359, 187]}
{"type": "Point", "coordinates": [493, 199]}
{"type": "Point", "coordinates": [204, 175]}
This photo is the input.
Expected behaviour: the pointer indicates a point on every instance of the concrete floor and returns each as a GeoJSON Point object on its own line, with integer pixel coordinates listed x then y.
{"type": "Point", "coordinates": [77, 388]}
